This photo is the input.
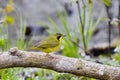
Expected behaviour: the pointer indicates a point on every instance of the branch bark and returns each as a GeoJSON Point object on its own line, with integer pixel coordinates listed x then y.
{"type": "Point", "coordinates": [19, 58]}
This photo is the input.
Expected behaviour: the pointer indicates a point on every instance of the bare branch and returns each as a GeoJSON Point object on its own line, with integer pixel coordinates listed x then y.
{"type": "Point", "coordinates": [18, 58]}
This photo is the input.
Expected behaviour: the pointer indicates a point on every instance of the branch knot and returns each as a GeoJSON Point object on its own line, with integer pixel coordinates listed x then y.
{"type": "Point", "coordinates": [13, 50]}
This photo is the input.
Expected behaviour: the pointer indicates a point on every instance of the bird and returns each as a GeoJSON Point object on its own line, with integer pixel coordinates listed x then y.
{"type": "Point", "coordinates": [50, 44]}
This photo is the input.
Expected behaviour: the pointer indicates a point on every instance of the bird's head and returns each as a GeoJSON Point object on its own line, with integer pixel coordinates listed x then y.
{"type": "Point", "coordinates": [59, 36]}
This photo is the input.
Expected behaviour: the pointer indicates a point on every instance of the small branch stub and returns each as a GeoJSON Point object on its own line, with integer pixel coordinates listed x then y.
{"type": "Point", "coordinates": [15, 52]}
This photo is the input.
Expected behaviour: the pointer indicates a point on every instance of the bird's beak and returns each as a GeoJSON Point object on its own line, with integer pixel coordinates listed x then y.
{"type": "Point", "coordinates": [64, 35]}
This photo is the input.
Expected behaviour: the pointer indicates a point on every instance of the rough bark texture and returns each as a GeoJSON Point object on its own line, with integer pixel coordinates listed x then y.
{"type": "Point", "coordinates": [18, 58]}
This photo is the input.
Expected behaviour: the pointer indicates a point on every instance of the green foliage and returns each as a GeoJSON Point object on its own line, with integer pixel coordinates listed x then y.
{"type": "Point", "coordinates": [90, 26]}
{"type": "Point", "coordinates": [70, 49]}
{"type": "Point", "coordinates": [5, 45]}
{"type": "Point", "coordinates": [21, 44]}
{"type": "Point", "coordinates": [55, 26]}
{"type": "Point", "coordinates": [9, 19]}
{"type": "Point", "coordinates": [44, 74]}
{"type": "Point", "coordinates": [108, 61]}
{"type": "Point", "coordinates": [107, 2]}
{"type": "Point", "coordinates": [4, 38]}
{"type": "Point", "coordinates": [117, 57]}
{"type": "Point", "coordinates": [2, 43]}
{"type": "Point", "coordinates": [9, 74]}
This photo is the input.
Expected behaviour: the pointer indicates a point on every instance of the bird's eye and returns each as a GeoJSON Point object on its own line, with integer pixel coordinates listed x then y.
{"type": "Point", "coordinates": [58, 37]}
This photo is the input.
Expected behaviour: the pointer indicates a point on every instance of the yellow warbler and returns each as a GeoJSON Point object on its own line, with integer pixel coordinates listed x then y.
{"type": "Point", "coordinates": [50, 44]}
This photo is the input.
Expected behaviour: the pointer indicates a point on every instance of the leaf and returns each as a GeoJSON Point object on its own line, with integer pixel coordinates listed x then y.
{"type": "Point", "coordinates": [90, 1]}
{"type": "Point", "coordinates": [107, 2]}
{"type": "Point", "coordinates": [9, 19]}
{"type": "Point", "coordinates": [2, 42]}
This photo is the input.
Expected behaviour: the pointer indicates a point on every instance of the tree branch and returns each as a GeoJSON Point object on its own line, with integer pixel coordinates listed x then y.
{"type": "Point", "coordinates": [18, 58]}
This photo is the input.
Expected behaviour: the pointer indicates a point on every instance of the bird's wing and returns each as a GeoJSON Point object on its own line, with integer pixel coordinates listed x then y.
{"type": "Point", "coordinates": [47, 44]}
